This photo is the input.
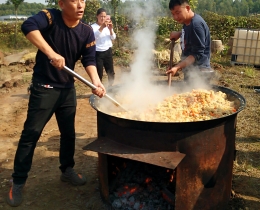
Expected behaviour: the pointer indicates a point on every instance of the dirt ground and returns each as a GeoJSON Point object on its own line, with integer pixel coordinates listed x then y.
{"type": "Point", "coordinates": [44, 190]}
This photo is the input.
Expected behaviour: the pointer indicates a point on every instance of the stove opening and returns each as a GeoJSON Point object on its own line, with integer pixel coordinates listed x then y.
{"type": "Point", "coordinates": [140, 186]}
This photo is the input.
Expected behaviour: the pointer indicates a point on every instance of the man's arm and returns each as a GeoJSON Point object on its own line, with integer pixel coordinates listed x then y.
{"type": "Point", "coordinates": [198, 42]}
{"type": "Point", "coordinates": [32, 28]}
{"type": "Point", "coordinates": [92, 72]}
{"type": "Point", "coordinates": [37, 40]}
{"type": "Point", "coordinates": [89, 62]}
{"type": "Point", "coordinates": [184, 63]}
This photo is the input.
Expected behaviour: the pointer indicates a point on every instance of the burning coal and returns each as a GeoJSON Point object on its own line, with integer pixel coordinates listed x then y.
{"type": "Point", "coordinates": [137, 185]}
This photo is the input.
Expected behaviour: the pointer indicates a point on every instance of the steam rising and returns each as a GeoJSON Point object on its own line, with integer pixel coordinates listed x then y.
{"type": "Point", "coordinates": [137, 92]}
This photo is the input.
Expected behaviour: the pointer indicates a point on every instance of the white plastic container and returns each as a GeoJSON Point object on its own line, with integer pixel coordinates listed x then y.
{"type": "Point", "coordinates": [246, 47]}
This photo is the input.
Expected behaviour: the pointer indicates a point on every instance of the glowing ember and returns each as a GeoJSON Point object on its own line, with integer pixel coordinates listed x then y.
{"type": "Point", "coordinates": [148, 180]}
{"type": "Point", "coordinates": [147, 188]}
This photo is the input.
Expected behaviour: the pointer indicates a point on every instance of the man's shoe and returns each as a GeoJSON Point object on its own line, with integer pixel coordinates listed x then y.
{"type": "Point", "coordinates": [15, 197]}
{"type": "Point", "coordinates": [70, 176]}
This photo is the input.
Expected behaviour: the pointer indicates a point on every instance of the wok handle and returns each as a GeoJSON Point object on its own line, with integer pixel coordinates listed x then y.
{"type": "Point", "coordinates": [74, 74]}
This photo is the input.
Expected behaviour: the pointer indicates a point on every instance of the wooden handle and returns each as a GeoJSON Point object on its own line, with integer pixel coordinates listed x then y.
{"type": "Point", "coordinates": [171, 62]}
{"type": "Point", "coordinates": [169, 80]}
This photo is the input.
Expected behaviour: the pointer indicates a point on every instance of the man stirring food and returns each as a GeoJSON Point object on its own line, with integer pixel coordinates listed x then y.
{"type": "Point", "coordinates": [61, 38]}
{"type": "Point", "coordinates": [195, 42]}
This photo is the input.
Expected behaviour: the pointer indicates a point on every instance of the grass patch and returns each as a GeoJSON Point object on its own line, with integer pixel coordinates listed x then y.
{"type": "Point", "coordinates": [250, 72]}
{"type": "Point", "coordinates": [27, 78]}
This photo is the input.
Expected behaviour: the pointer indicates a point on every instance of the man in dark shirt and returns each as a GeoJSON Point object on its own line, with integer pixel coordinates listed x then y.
{"type": "Point", "coordinates": [195, 40]}
{"type": "Point", "coordinates": [61, 39]}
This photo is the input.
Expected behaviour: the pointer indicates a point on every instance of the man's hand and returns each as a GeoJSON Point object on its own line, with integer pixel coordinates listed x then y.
{"type": "Point", "coordinates": [100, 90]}
{"type": "Point", "coordinates": [174, 35]}
{"type": "Point", "coordinates": [173, 70]}
{"type": "Point", "coordinates": [57, 61]}
{"type": "Point", "coordinates": [36, 38]}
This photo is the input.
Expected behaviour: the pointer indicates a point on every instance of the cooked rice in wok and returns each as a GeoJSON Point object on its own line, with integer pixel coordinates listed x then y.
{"type": "Point", "coordinates": [196, 105]}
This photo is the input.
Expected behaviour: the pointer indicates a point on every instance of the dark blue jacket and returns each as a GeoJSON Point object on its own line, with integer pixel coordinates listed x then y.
{"type": "Point", "coordinates": [197, 41]}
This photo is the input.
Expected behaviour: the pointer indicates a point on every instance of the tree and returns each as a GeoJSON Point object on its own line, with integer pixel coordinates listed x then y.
{"type": "Point", "coordinates": [206, 5]}
{"type": "Point", "coordinates": [250, 5]}
{"type": "Point", "coordinates": [225, 7]}
{"type": "Point", "coordinates": [242, 8]}
{"type": "Point", "coordinates": [16, 4]}
{"type": "Point", "coordinates": [52, 3]}
{"type": "Point", "coordinates": [91, 11]}
{"type": "Point", "coordinates": [193, 4]}
{"type": "Point", "coordinates": [256, 7]}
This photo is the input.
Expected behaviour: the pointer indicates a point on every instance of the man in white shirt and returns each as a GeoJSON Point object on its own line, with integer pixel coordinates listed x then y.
{"type": "Point", "coordinates": [104, 34]}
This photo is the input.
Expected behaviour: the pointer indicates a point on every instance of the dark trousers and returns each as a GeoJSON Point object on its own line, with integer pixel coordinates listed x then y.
{"type": "Point", "coordinates": [43, 103]}
{"type": "Point", "coordinates": [105, 59]}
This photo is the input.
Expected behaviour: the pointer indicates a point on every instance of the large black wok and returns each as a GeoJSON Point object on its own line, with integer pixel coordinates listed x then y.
{"type": "Point", "coordinates": [232, 95]}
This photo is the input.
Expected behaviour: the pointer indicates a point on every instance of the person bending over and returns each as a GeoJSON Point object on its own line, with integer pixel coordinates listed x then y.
{"type": "Point", "coordinates": [195, 41]}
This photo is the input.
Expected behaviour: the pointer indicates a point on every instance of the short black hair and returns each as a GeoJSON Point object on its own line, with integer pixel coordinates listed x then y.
{"type": "Point", "coordinates": [100, 10]}
{"type": "Point", "coordinates": [174, 3]}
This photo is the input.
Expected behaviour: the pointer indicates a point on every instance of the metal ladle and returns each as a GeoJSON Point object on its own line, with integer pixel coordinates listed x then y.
{"type": "Point", "coordinates": [74, 74]}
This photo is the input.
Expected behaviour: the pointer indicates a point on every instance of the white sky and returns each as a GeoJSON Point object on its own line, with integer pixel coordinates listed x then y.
{"type": "Point", "coordinates": [28, 1]}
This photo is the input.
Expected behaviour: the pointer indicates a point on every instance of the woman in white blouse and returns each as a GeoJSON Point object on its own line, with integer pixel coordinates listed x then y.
{"type": "Point", "coordinates": [104, 34]}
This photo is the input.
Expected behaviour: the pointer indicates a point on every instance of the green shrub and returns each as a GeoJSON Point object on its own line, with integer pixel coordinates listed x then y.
{"type": "Point", "coordinates": [7, 36]}
{"type": "Point", "coordinates": [250, 72]}
{"type": "Point", "coordinates": [221, 27]}
{"type": "Point", "coordinates": [167, 24]}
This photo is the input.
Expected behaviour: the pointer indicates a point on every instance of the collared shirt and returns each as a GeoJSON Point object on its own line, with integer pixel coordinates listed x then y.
{"type": "Point", "coordinates": [103, 39]}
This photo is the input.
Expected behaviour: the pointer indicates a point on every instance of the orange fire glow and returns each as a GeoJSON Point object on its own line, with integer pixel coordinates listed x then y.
{"type": "Point", "coordinates": [127, 190]}
{"type": "Point", "coordinates": [133, 190]}
{"type": "Point", "coordinates": [172, 178]}
{"type": "Point", "coordinates": [148, 180]}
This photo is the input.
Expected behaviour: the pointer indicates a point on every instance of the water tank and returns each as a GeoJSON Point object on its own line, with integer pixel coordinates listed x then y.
{"type": "Point", "coordinates": [246, 47]}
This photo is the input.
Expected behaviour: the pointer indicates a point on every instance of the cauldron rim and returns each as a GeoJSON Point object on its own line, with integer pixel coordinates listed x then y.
{"type": "Point", "coordinates": [228, 91]}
